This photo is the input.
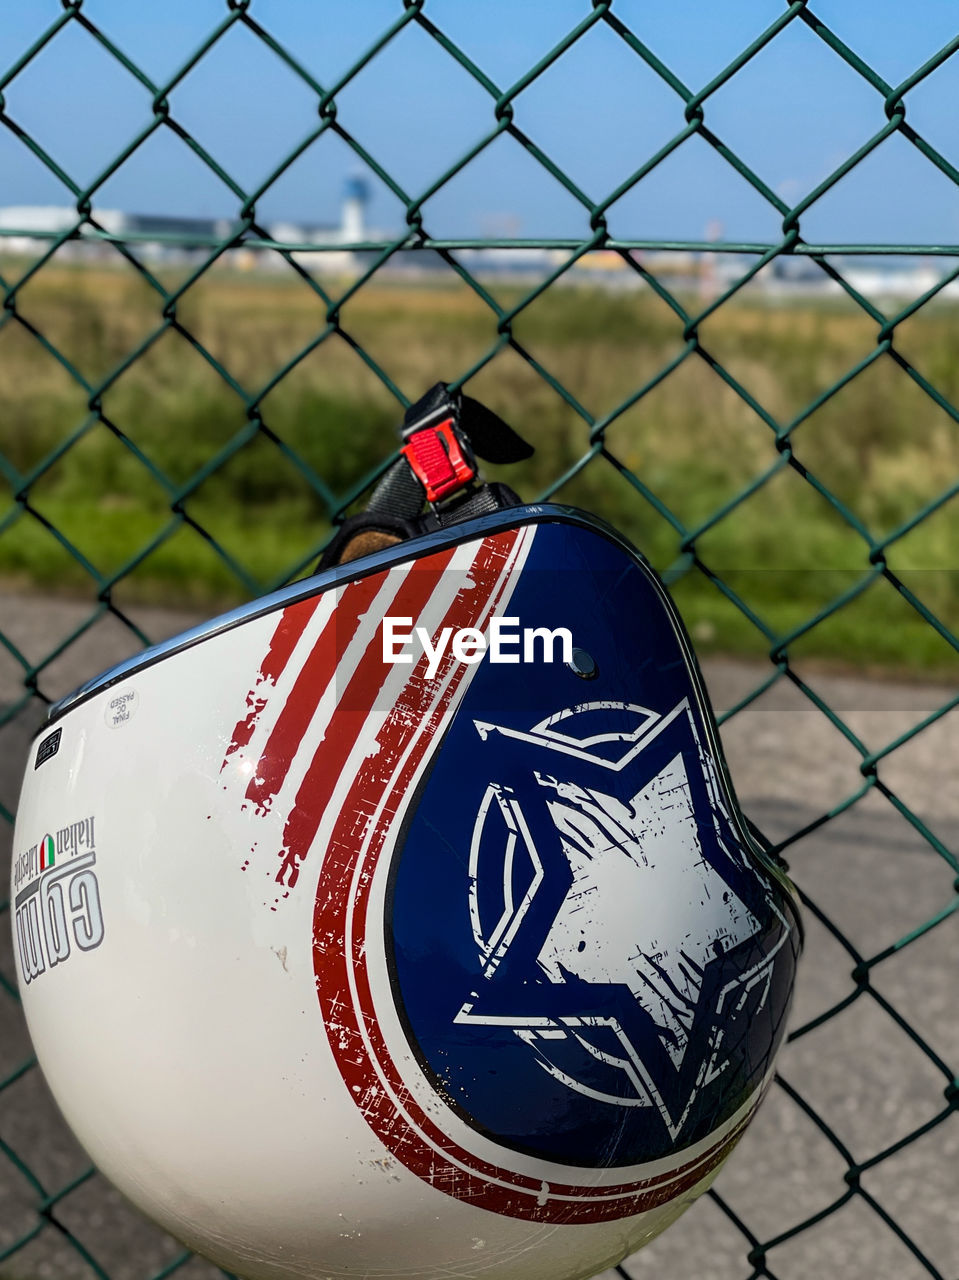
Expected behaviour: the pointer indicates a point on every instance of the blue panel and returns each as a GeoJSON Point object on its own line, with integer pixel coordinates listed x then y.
{"type": "Point", "coordinates": [590, 964]}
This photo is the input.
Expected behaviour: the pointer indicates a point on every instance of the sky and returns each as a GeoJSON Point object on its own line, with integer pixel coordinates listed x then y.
{"type": "Point", "coordinates": [793, 114]}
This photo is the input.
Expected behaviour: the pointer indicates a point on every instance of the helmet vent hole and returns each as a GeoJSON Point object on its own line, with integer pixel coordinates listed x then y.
{"type": "Point", "coordinates": [583, 664]}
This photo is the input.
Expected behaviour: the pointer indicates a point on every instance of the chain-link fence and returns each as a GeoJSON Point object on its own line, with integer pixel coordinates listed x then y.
{"type": "Point", "coordinates": [847, 1171]}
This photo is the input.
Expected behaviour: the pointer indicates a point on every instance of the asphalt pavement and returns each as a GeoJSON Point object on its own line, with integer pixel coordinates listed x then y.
{"type": "Point", "coordinates": [864, 1073]}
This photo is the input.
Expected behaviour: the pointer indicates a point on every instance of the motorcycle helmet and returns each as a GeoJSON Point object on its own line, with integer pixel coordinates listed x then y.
{"type": "Point", "coordinates": [404, 922]}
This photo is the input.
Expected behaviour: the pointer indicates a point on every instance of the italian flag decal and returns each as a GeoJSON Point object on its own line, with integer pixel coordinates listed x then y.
{"type": "Point", "coordinates": [46, 852]}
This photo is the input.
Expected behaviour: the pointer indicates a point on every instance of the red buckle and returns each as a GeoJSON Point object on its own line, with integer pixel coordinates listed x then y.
{"type": "Point", "coordinates": [438, 460]}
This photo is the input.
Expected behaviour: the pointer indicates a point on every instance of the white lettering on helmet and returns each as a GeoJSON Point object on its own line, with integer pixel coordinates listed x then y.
{"type": "Point", "coordinates": [504, 642]}
{"type": "Point", "coordinates": [549, 639]}
{"type": "Point", "coordinates": [391, 640]}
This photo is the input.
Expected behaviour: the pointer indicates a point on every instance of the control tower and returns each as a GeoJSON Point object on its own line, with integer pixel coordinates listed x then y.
{"type": "Point", "coordinates": [356, 197]}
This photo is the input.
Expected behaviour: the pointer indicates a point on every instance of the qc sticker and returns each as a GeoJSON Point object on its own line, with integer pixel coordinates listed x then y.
{"type": "Point", "coordinates": [121, 708]}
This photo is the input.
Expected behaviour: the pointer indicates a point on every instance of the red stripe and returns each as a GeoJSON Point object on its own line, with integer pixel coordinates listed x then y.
{"type": "Point", "coordinates": [288, 631]}
{"type": "Point", "coordinates": [353, 706]}
{"type": "Point", "coordinates": [430, 1153]}
{"type": "Point", "coordinates": [317, 673]}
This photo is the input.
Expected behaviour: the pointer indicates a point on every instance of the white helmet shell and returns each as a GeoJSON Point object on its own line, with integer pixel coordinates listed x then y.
{"type": "Point", "coordinates": [342, 964]}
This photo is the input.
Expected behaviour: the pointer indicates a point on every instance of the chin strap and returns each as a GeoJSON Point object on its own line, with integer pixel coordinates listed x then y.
{"type": "Point", "coordinates": [436, 480]}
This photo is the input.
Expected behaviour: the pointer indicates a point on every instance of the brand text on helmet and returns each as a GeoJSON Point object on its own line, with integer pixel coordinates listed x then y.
{"type": "Point", "coordinates": [503, 641]}
{"type": "Point", "coordinates": [57, 899]}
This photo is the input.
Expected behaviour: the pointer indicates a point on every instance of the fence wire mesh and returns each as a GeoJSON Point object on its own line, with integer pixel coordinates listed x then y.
{"type": "Point", "coordinates": [862, 1166]}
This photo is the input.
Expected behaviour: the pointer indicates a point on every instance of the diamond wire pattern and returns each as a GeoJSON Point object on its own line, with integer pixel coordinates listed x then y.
{"type": "Point", "coordinates": [692, 113]}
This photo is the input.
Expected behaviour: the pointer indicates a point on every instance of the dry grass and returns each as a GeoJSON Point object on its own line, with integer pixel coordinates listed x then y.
{"type": "Point", "coordinates": [881, 446]}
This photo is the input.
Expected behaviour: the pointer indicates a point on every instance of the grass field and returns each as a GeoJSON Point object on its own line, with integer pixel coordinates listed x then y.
{"type": "Point", "coordinates": [880, 445]}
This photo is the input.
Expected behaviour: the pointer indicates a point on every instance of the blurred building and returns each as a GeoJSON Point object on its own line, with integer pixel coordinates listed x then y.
{"type": "Point", "coordinates": [27, 230]}
{"type": "Point", "coordinates": [338, 248]}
